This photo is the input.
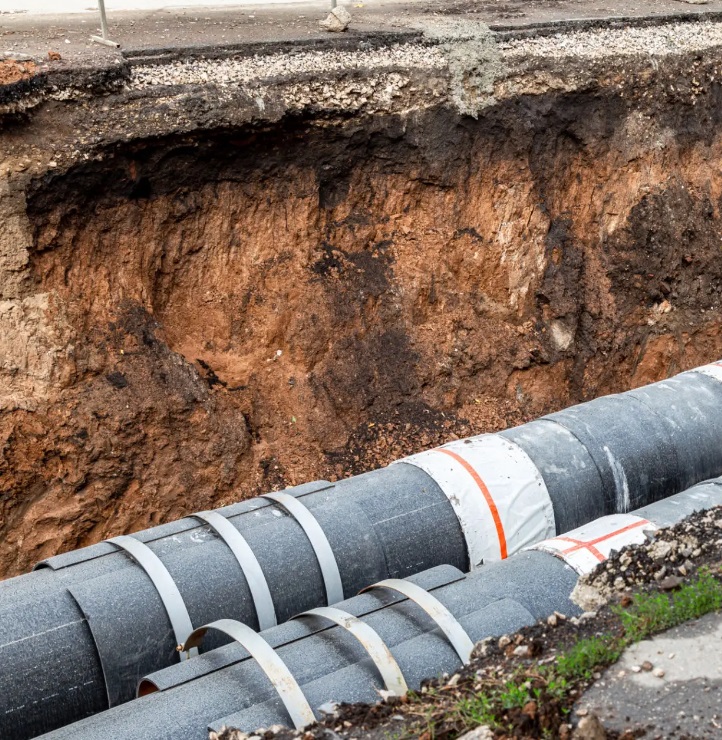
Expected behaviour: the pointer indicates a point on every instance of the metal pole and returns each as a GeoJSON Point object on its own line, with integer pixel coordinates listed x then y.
{"type": "Point", "coordinates": [103, 28]}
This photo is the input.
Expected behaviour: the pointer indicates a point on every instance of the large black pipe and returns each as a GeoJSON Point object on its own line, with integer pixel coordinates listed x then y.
{"type": "Point", "coordinates": [76, 634]}
{"type": "Point", "coordinates": [227, 687]}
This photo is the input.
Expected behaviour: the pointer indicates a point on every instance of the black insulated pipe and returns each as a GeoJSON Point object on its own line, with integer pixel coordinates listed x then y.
{"type": "Point", "coordinates": [69, 632]}
{"type": "Point", "coordinates": [228, 687]}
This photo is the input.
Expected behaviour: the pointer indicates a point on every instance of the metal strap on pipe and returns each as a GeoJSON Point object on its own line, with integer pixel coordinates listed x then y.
{"type": "Point", "coordinates": [164, 584]}
{"type": "Point", "coordinates": [372, 643]}
{"type": "Point", "coordinates": [319, 542]}
{"type": "Point", "coordinates": [260, 593]}
{"type": "Point", "coordinates": [269, 662]}
{"type": "Point", "coordinates": [448, 623]}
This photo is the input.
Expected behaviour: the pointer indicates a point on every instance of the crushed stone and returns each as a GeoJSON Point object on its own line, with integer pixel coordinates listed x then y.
{"type": "Point", "coordinates": [668, 557]}
{"type": "Point", "coordinates": [673, 38]}
{"type": "Point", "coordinates": [229, 72]}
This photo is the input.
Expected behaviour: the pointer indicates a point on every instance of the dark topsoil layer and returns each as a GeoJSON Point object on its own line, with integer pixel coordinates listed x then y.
{"type": "Point", "coordinates": [695, 545]}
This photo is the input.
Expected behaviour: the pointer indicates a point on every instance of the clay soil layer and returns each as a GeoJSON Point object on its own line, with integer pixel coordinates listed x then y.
{"type": "Point", "coordinates": [205, 315]}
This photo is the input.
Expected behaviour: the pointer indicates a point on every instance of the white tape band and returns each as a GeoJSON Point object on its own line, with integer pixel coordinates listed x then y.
{"type": "Point", "coordinates": [584, 548]}
{"type": "Point", "coordinates": [714, 370]}
{"type": "Point", "coordinates": [497, 492]}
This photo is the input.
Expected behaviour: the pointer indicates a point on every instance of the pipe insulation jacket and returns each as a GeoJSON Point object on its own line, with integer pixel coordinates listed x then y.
{"type": "Point", "coordinates": [327, 662]}
{"type": "Point", "coordinates": [69, 631]}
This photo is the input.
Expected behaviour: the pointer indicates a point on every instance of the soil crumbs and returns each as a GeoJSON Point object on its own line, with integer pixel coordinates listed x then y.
{"type": "Point", "coordinates": [526, 685]}
{"type": "Point", "coordinates": [12, 71]}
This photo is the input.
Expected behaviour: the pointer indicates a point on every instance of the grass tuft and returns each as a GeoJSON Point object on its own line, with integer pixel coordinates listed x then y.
{"type": "Point", "coordinates": [646, 615]}
{"type": "Point", "coordinates": [650, 613]}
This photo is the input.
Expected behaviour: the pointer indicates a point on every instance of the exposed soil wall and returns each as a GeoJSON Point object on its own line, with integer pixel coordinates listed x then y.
{"type": "Point", "coordinates": [232, 309]}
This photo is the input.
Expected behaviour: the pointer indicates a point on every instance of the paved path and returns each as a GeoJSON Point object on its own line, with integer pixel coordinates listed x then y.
{"type": "Point", "coordinates": [38, 27]}
{"type": "Point", "coordinates": [684, 702]}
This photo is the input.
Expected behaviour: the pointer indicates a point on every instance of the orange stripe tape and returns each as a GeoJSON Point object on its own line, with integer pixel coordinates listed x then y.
{"type": "Point", "coordinates": [610, 535]}
{"type": "Point", "coordinates": [487, 496]}
{"type": "Point", "coordinates": [580, 545]}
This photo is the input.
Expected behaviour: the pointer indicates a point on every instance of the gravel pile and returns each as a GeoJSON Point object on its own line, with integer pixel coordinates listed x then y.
{"type": "Point", "coordinates": [228, 72]}
{"type": "Point", "coordinates": [675, 38]}
{"type": "Point", "coordinates": [670, 556]}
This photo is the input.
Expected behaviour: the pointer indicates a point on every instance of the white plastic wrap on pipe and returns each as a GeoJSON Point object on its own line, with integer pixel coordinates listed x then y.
{"type": "Point", "coordinates": [584, 548]}
{"type": "Point", "coordinates": [497, 492]}
{"type": "Point", "coordinates": [714, 370]}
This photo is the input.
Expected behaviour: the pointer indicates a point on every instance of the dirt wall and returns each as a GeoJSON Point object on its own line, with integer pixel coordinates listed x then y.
{"type": "Point", "coordinates": [237, 308]}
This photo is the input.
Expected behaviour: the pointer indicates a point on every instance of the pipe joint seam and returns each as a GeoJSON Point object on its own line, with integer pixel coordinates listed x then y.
{"type": "Point", "coordinates": [496, 491]}
{"type": "Point", "coordinates": [584, 548]}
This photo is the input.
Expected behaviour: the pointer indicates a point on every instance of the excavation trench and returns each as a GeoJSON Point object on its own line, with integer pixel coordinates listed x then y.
{"type": "Point", "coordinates": [219, 312]}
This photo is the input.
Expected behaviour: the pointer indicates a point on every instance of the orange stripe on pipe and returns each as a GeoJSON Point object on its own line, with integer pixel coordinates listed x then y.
{"type": "Point", "coordinates": [487, 497]}
{"type": "Point", "coordinates": [579, 545]}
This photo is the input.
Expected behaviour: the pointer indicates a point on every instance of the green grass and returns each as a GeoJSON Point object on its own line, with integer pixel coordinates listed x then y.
{"type": "Point", "coordinates": [646, 615]}
{"type": "Point", "coordinates": [580, 661]}
{"type": "Point", "coordinates": [650, 613]}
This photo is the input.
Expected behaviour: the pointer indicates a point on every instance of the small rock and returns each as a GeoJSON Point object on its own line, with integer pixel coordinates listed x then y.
{"type": "Point", "coordinates": [337, 20]}
{"type": "Point", "coordinates": [589, 728]}
{"type": "Point", "coordinates": [522, 651]}
{"type": "Point", "coordinates": [330, 708]}
{"type": "Point", "coordinates": [479, 733]}
{"type": "Point", "coordinates": [646, 666]}
{"type": "Point", "coordinates": [670, 583]}
{"type": "Point", "coordinates": [660, 550]}
{"type": "Point", "coordinates": [659, 672]}
{"type": "Point", "coordinates": [504, 641]}
{"type": "Point", "coordinates": [636, 669]}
